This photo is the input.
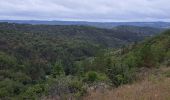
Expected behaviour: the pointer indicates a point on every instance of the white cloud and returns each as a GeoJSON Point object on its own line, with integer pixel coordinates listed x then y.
{"type": "Point", "coordinates": [90, 10]}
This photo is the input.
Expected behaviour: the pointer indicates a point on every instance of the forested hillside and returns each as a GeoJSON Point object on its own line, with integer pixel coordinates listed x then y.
{"type": "Point", "coordinates": [43, 61]}
{"type": "Point", "coordinates": [141, 72]}
{"type": "Point", "coordinates": [103, 37]}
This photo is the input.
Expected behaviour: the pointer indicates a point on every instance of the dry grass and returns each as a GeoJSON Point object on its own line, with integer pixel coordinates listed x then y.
{"type": "Point", "coordinates": [153, 87]}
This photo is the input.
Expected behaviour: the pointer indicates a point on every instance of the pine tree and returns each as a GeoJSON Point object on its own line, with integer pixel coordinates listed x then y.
{"type": "Point", "coordinates": [57, 69]}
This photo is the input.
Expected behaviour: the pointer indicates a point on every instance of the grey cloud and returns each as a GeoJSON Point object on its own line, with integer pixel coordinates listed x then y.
{"type": "Point", "coordinates": [89, 10]}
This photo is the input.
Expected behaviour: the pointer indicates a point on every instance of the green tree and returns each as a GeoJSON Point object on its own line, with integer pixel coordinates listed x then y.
{"type": "Point", "coordinates": [146, 56]}
{"type": "Point", "coordinates": [121, 74]}
{"type": "Point", "coordinates": [57, 69]}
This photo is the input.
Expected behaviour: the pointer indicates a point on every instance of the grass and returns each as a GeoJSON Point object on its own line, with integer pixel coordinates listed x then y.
{"type": "Point", "coordinates": [155, 86]}
{"type": "Point", "coordinates": [167, 73]}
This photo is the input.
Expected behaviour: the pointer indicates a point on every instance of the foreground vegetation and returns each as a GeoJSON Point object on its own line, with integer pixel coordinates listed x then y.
{"type": "Point", "coordinates": [153, 85]}
{"type": "Point", "coordinates": [41, 65]}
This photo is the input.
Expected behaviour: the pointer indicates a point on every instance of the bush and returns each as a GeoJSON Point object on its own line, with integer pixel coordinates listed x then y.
{"type": "Point", "coordinates": [65, 85]}
{"type": "Point", "coordinates": [9, 88]}
{"type": "Point", "coordinates": [93, 76]}
{"type": "Point", "coordinates": [121, 74]}
{"type": "Point", "coordinates": [34, 92]}
{"type": "Point", "coordinates": [130, 60]}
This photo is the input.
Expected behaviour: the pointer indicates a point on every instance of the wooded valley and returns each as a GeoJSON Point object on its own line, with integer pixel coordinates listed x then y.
{"type": "Point", "coordinates": [65, 61]}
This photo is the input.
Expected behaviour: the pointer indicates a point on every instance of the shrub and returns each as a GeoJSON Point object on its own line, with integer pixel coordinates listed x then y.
{"type": "Point", "coordinates": [9, 88]}
{"type": "Point", "coordinates": [145, 56]}
{"type": "Point", "coordinates": [91, 76]}
{"type": "Point", "coordinates": [34, 92]}
{"type": "Point", "coordinates": [130, 60]}
{"type": "Point", "coordinates": [121, 74]}
{"type": "Point", "coordinates": [64, 85]}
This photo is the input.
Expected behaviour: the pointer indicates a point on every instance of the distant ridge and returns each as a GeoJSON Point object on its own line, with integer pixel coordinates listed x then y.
{"type": "Point", "coordinates": [94, 24]}
{"type": "Point", "coordinates": [114, 37]}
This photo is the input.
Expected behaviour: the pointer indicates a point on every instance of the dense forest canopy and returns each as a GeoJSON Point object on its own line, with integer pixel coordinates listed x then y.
{"type": "Point", "coordinates": [104, 37]}
{"type": "Point", "coordinates": [40, 60]}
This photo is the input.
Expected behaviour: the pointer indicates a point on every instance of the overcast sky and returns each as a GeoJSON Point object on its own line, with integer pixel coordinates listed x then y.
{"type": "Point", "coordinates": [86, 10]}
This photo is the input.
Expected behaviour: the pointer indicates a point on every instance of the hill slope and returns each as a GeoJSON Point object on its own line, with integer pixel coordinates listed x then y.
{"type": "Point", "coordinates": [104, 37]}
{"type": "Point", "coordinates": [151, 60]}
{"type": "Point", "coordinates": [45, 60]}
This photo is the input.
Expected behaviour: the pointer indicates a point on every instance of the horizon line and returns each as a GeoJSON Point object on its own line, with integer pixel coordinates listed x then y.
{"type": "Point", "coordinates": [86, 21]}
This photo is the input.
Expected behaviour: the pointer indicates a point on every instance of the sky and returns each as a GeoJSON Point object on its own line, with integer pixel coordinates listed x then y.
{"type": "Point", "coordinates": [86, 10]}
